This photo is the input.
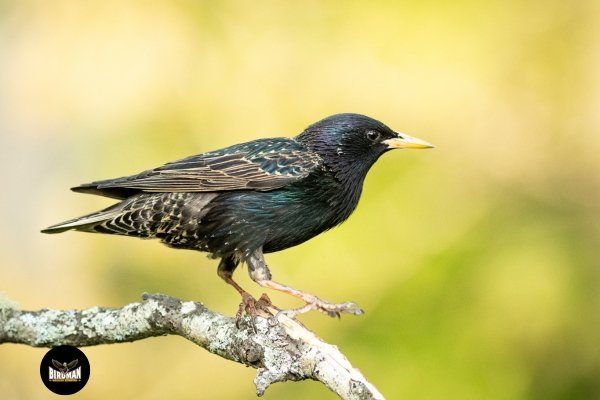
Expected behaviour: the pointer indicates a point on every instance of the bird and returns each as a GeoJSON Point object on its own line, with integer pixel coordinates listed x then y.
{"type": "Point", "coordinates": [64, 367]}
{"type": "Point", "coordinates": [241, 202]}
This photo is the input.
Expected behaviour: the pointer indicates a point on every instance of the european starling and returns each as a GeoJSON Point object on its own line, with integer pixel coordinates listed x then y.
{"type": "Point", "coordinates": [252, 198]}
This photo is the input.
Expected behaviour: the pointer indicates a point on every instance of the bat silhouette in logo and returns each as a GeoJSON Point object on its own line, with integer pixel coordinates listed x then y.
{"type": "Point", "coordinates": [64, 367]}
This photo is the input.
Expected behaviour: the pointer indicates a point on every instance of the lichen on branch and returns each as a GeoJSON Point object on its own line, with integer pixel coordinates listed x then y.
{"type": "Point", "coordinates": [285, 351]}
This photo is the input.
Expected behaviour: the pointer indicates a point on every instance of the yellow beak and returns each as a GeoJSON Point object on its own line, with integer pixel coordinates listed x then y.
{"type": "Point", "coordinates": [404, 141]}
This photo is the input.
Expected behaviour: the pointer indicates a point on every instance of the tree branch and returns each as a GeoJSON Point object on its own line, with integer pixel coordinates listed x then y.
{"type": "Point", "coordinates": [284, 352]}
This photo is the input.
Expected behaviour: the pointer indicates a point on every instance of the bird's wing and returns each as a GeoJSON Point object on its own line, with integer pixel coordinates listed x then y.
{"type": "Point", "coordinates": [57, 365]}
{"type": "Point", "coordinates": [72, 364]}
{"type": "Point", "coordinates": [263, 164]}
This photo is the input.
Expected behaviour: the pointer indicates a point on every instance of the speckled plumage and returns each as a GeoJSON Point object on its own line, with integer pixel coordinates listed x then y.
{"type": "Point", "coordinates": [247, 199]}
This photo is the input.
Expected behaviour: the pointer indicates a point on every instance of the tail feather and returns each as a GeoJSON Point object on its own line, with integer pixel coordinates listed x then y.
{"type": "Point", "coordinates": [86, 221]}
{"type": "Point", "coordinates": [144, 215]}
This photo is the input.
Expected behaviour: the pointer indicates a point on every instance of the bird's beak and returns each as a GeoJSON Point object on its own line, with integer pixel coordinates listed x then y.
{"type": "Point", "coordinates": [403, 141]}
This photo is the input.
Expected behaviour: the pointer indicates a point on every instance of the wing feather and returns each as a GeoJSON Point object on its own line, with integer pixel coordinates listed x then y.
{"type": "Point", "coordinates": [263, 164]}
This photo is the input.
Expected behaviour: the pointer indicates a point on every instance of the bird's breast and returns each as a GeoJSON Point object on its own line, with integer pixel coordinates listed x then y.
{"type": "Point", "coordinates": [306, 210]}
{"type": "Point", "coordinates": [243, 221]}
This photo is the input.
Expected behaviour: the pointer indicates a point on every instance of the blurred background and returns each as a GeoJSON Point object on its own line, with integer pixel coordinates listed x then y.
{"type": "Point", "coordinates": [477, 262]}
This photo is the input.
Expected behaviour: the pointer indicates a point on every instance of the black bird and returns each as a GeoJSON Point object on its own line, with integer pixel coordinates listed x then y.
{"type": "Point", "coordinates": [252, 198]}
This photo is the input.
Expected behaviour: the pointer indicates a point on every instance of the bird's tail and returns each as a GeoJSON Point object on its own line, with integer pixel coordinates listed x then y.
{"type": "Point", "coordinates": [86, 222]}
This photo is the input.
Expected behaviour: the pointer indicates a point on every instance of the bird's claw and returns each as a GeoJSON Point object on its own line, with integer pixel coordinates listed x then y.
{"type": "Point", "coordinates": [336, 309]}
{"type": "Point", "coordinates": [331, 309]}
{"type": "Point", "coordinates": [252, 307]}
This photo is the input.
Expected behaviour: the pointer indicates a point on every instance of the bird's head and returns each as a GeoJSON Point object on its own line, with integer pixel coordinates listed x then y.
{"type": "Point", "coordinates": [351, 143]}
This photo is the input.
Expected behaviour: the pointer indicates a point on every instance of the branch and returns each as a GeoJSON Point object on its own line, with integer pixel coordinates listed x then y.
{"type": "Point", "coordinates": [284, 352]}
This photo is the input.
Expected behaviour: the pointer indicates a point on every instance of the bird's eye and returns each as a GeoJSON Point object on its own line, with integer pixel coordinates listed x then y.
{"type": "Point", "coordinates": [373, 135]}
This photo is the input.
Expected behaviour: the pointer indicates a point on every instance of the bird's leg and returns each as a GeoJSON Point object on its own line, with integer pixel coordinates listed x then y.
{"type": "Point", "coordinates": [249, 304]}
{"type": "Point", "coordinates": [225, 272]}
{"type": "Point", "coordinates": [259, 272]}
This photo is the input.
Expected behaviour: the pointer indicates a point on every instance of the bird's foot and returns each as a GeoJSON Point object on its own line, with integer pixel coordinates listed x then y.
{"type": "Point", "coordinates": [252, 307]}
{"type": "Point", "coordinates": [331, 309]}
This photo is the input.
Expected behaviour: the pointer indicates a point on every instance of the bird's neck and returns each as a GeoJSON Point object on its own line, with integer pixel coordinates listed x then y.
{"type": "Point", "coordinates": [341, 180]}
{"type": "Point", "coordinates": [340, 194]}
{"type": "Point", "coordinates": [351, 189]}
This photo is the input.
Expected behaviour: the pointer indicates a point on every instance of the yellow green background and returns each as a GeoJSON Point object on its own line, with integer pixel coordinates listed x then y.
{"type": "Point", "coordinates": [477, 262]}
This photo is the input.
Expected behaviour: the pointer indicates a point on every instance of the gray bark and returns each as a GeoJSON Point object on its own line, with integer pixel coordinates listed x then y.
{"type": "Point", "coordinates": [286, 351]}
